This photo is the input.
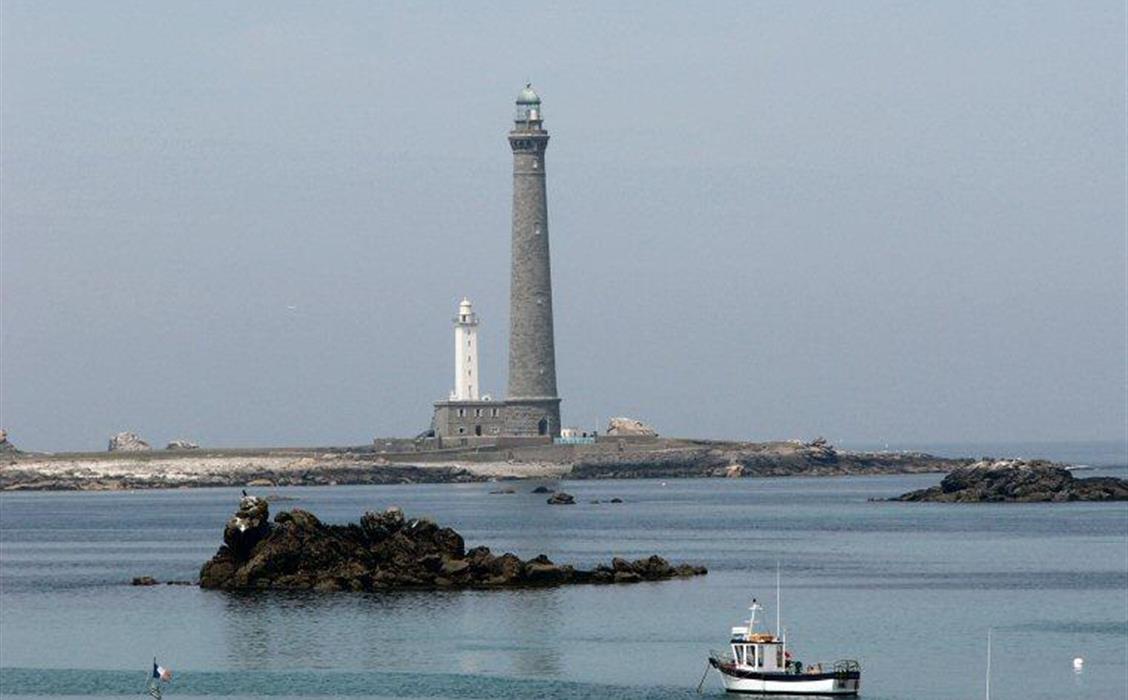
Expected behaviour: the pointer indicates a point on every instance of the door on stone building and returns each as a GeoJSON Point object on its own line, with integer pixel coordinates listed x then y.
{"type": "Point", "coordinates": [542, 427]}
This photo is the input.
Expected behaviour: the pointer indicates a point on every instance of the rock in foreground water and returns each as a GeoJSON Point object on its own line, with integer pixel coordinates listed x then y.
{"type": "Point", "coordinates": [387, 551]}
{"type": "Point", "coordinates": [1019, 481]}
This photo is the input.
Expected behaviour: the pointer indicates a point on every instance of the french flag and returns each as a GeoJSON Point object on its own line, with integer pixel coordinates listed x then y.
{"type": "Point", "coordinates": [161, 673]}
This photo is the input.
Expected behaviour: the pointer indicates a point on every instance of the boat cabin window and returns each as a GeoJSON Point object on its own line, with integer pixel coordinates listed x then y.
{"type": "Point", "coordinates": [779, 656]}
{"type": "Point", "coordinates": [750, 655]}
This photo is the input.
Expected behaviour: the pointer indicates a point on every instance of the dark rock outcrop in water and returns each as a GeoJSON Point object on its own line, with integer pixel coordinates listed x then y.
{"type": "Point", "coordinates": [561, 499]}
{"type": "Point", "coordinates": [150, 581]}
{"type": "Point", "coordinates": [386, 551]}
{"type": "Point", "coordinates": [1019, 481]}
{"type": "Point", "coordinates": [249, 526]}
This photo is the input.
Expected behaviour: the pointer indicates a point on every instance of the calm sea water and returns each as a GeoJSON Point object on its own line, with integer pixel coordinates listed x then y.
{"type": "Point", "coordinates": [907, 589]}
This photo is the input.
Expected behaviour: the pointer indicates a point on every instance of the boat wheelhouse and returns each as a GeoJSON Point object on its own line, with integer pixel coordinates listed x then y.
{"type": "Point", "coordinates": [760, 664]}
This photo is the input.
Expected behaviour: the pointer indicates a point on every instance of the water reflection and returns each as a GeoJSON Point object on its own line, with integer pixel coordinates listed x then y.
{"type": "Point", "coordinates": [492, 632]}
{"type": "Point", "coordinates": [532, 623]}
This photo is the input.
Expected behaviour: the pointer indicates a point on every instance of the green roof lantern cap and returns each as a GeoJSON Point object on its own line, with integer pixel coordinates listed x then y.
{"type": "Point", "coordinates": [528, 96]}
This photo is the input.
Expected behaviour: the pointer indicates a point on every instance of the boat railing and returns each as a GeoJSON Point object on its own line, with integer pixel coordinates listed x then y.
{"type": "Point", "coordinates": [844, 666]}
{"type": "Point", "coordinates": [840, 667]}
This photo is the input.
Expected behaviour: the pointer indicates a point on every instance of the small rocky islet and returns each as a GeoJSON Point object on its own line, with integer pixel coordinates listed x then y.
{"type": "Point", "coordinates": [387, 551]}
{"type": "Point", "coordinates": [1019, 481]}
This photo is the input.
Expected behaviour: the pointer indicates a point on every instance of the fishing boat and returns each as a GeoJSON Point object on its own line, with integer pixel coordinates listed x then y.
{"type": "Point", "coordinates": [760, 664]}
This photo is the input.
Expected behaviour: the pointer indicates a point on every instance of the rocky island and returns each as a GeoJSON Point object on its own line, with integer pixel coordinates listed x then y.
{"type": "Point", "coordinates": [387, 551]}
{"type": "Point", "coordinates": [411, 461]}
{"type": "Point", "coordinates": [1019, 481]}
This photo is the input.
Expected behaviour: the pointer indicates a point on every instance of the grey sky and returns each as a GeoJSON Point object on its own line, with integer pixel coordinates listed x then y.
{"type": "Point", "coordinates": [881, 221]}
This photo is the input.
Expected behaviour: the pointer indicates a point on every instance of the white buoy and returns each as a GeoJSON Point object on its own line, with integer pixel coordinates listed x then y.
{"type": "Point", "coordinates": [1078, 664]}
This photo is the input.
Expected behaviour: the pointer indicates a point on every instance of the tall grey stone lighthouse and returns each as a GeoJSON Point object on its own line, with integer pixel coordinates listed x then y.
{"type": "Point", "coordinates": [531, 410]}
{"type": "Point", "coordinates": [532, 404]}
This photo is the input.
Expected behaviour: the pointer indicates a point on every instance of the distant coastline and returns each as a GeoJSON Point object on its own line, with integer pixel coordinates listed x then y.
{"type": "Point", "coordinates": [1081, 453]}
{"type": "Point", "coordinates": [393, 461]}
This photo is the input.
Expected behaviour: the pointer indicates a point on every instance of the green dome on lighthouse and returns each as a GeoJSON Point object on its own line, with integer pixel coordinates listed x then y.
{"type": "Point", "coordinates": [528, 96]}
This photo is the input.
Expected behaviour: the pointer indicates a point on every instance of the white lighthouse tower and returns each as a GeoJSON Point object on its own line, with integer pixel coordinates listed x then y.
{"type": "Point", "coordinates": [465, 353]}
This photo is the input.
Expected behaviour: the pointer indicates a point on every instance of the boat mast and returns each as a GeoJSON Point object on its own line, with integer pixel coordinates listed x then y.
{"type": "Point", "coordinates": [778, 603]}
{"type": "Point", "coordinates": [781, 636]}
{"type": "Point", "coordinates": [988, 663]}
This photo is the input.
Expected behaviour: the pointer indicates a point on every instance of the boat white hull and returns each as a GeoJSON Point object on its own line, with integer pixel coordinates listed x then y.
{"type": "Point", "coordinates": [786, 684]}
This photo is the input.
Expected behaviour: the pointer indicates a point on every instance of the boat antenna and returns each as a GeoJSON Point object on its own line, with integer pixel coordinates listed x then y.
{"type": "Point", "coordinates": [778, 599]}
{"type": "Point", "coordinates": [988, 663]}
{"type": "Point", "coordinates": [752, 620]}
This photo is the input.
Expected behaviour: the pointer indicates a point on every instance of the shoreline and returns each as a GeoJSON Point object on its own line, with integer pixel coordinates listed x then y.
{"type": "Point", "coordinates": [654, 458]}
